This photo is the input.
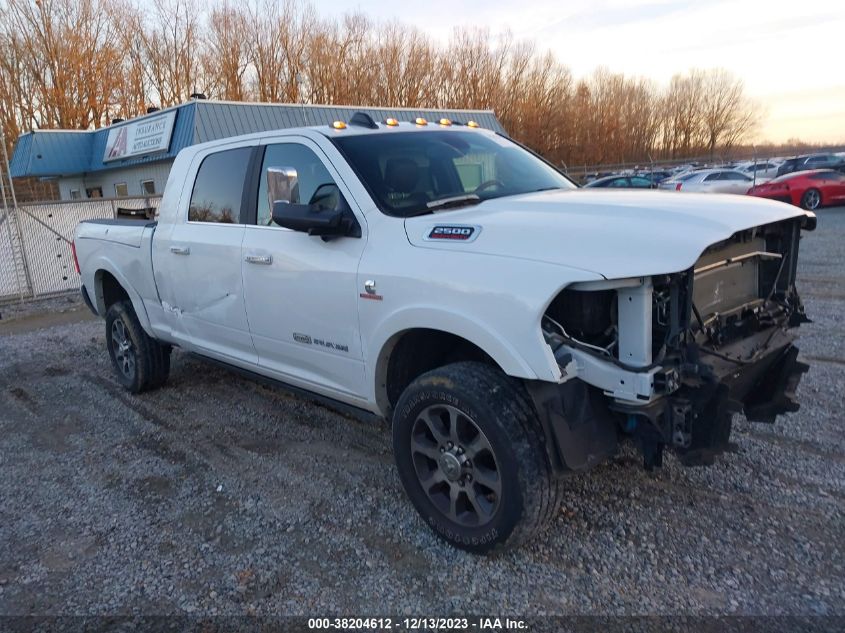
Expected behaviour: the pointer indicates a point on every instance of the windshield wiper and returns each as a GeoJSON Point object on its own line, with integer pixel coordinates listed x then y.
{"type": "Point", "coordinates": [454, 201]}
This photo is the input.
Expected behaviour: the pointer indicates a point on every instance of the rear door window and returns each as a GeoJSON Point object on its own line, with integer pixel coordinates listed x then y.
{"type": "Point", "coordinates": [219, 187]}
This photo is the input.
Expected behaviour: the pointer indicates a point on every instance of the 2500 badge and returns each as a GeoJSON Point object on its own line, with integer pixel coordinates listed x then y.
{"type": "Point", "coordinates": [458, 233]}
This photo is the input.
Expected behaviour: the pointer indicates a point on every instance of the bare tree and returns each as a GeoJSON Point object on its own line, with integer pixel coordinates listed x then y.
{"type": "Point", "coordinates": [79, 63]}
{"type": "Point", "coordinates": [727, 115]}
{"type": "Point", "coordinates": [59, 62]}
{"type": "Point", "coordinates": [280, 35]}
{"type": "Point", "coordinates": [170, 41]}
{"type": "Point", "coordinates": [226, 54]}
{"type": "Point", "coordinates": [134, 92]}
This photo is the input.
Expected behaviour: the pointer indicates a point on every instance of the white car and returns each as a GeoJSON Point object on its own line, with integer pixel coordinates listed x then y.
{"type": "Point", "coordinates": [761, 171]}
{"type": "Point", "coordinates": [513, 327]}
{"type": "Point", "coordinates": [709, 181]}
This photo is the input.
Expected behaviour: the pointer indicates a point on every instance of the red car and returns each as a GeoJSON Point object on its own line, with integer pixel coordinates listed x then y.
{"type": "Point", "coordinates": [807, 189]}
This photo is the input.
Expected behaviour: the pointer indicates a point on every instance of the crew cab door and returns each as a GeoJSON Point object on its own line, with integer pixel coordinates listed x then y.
{"type": "Point", "coordinates": [198, 258]}
{"type": "Point", "coordinates": [301, 291]}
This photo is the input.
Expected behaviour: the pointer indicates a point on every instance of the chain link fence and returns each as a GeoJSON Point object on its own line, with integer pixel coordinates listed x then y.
{"type": "Point", "coordinates": [35, 242]}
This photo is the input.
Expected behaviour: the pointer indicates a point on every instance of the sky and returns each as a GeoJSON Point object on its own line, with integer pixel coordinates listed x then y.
{"type": "Point", "coordinates": [789, 53]}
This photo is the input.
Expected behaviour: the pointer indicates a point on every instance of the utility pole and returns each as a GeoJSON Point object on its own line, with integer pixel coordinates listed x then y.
{"type": "Point", "coordinates": [13, 227]}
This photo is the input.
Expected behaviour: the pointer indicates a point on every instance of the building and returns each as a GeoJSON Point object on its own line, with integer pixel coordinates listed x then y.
{"type": "Point", "coordinates": [133, 158]}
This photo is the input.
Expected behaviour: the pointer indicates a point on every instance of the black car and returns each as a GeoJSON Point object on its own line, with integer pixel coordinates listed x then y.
{"type": "Point", "coordinates": [623, 182]}
{"type": "Point", "coordinates": [812, 161]}
{"type": "Point", "coordinates": [656, 177]}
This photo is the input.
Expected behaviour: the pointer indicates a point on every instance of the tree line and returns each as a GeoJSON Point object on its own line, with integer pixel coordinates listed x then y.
{"type": "Point", "coordinates": [79, 64]}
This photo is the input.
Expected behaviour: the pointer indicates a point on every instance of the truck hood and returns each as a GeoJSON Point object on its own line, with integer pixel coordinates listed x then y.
{"type": "Point", "coordinates": [616, 234]}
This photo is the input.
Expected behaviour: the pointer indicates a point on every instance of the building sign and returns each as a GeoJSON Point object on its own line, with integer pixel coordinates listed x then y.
{"type": "Point", "coordinates": [137, 138]}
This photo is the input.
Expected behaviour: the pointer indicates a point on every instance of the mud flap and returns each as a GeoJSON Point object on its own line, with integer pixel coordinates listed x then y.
{"type": "Point", "coordinates": [580, 431]}
{"type": "Point", "coordinates": [774, 392]}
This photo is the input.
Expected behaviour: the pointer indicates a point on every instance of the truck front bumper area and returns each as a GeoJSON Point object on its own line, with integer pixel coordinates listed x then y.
{"type": "Point", "coordinates": [757, 376]}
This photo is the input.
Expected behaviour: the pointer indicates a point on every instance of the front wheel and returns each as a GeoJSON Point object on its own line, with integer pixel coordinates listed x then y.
{"type": "Point", "coordinates": [811, 200]}
{"type": "Point", "coordinates": [469, 451]}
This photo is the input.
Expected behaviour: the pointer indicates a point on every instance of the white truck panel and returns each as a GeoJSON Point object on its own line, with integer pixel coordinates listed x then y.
{"type": "Point", "coordinates": [599, 230]}
{"type": "Point", "coordinates": [491, 290]}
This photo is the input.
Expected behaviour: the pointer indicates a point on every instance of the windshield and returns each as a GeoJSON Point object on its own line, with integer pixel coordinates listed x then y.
{"type": "Point", "coordinates": [410, 173]}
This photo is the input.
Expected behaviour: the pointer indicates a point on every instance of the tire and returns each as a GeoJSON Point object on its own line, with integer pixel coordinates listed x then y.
{"type": "Point", "coordinates": [140, 362]}
{"type": "Point", "coordinates": [493, 487]}
{"type": "Point", "coordinates": [811, 200]}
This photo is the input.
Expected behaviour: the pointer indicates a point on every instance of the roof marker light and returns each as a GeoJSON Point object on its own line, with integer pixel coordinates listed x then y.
{"type": "Point", "coordinates": [391, 122]}
{"type": "Point", "coordinates": [472, 124]}
{"type": "Point", "coordinates": [339, 125]}
{"type": "Point", "coordinates": [446, 122]}
{"type": "Point", "coordinates": [420, 121]}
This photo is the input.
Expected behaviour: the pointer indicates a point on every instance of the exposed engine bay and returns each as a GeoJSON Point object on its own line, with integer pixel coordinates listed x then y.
{"type": "Point", "coordinates": [669, 359]}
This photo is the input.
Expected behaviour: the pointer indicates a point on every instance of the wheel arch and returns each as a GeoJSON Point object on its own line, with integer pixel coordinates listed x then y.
{"type": "Point", "coordinates": [433, 345]}
{"type": "Point", "coordinates": [110, 286]}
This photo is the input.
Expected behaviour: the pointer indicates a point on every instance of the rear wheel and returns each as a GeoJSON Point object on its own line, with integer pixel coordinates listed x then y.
{"type": "Point", "coordinates": [470, 455]}
{"type": "Point", "coordinates": [811, 199]}
{"type": "Point", "coordinates": [140, 362]}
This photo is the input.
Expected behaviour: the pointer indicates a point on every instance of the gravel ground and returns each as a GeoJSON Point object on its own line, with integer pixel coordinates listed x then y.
{"type": "Point", "coordinates": [217, 495]}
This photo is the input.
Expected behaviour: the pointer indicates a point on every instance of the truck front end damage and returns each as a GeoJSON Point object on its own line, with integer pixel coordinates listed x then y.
{"type": "Point", "coordinates": [669, 359]}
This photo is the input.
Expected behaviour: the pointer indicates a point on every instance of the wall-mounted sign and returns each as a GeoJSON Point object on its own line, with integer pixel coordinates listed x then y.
{"type": "Point", "coordinates": [136, 138]}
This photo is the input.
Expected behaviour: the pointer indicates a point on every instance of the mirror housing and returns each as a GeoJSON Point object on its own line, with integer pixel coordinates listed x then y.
{"type": "Point", "coordinates": [327, 214]}
{"type": "Point", "coordinates": [282, 185]}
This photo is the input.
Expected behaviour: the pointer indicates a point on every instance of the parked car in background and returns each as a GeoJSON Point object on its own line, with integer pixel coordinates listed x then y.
{"type": "Point", "coordinates": [594, 176]}
{"type": "Point", "coordinates": [807, 189]}
{"type": "Point", "coordinates": [623, 182]}
{"type": "Point", "coordinates": [656, 176]}
{"type": "Point", "coordinates": [811, 161]}
{"type": "Point", "coordinates": [761, 171]}
{"type": "Point", "coordinates": [709, 181]}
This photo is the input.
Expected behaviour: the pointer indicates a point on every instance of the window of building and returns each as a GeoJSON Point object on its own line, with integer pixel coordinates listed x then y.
{"type": "Point", "coordinates": [121, 190]}
{"type": "Point", "coordinates": [94, 192]}
{"type": "Point", "coordinates": [148, 187]}
{"type": "Point", "coordinates": [310, 172]}
{"type": "Point", "coordinates": [74, 194]}
{"type": "Point", "coordinates": [219, 186]}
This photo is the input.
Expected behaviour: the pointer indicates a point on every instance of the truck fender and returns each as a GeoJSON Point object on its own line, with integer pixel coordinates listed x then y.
{"type": "Point", "coordinates": [495, 344]}
{"type": "Point", "coordinates": [103, 264]}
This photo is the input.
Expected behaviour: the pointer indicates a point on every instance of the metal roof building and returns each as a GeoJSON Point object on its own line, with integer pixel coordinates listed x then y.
{"type": "Point", "coordinates": [133, 157]}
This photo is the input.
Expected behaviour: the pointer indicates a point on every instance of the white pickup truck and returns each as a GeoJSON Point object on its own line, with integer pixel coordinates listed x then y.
{"type": "Point", "coordinates": [511, 326]}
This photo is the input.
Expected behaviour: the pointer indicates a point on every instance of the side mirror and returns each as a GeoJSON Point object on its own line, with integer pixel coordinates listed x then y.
{"type": "Point", "coordinates": [327, 214]}
{"type": "Point", "coordinates": [282, 185]}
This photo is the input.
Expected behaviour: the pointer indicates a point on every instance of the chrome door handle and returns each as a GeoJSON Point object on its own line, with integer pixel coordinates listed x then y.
{"type": "Point", "coordinates": [259, 259]}
{"type": "Point", "coordinates": [180, 250]}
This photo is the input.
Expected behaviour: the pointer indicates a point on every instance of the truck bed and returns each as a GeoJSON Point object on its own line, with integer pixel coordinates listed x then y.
{"type": "Point", "coordinates": [121, 248]}
{"type": "Point", "coordinates": [127, 232]}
